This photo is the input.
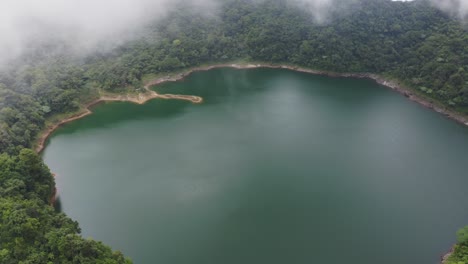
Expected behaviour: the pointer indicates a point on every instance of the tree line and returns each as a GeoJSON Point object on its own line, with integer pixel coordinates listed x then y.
{"type": "Point", "coordinates": [413, 42]}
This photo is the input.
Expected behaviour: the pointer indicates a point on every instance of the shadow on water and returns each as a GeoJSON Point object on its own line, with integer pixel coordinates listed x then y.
{"type": "Point", "coordinates": [110, 114]}
{"type": "Point", "coordinates": [227, 83]}
{"type": "Point", "coordinates": [58, 205]}
{"type": "Point", "coordinates": [274, 167]}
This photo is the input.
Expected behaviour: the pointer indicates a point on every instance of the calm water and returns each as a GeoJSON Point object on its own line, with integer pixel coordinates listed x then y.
{"type": "Point", "coordinates": [274, 167]}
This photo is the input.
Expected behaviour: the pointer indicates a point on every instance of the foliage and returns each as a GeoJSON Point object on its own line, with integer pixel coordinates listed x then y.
{"type": "Point", "coordinates": [462, 235]}
{"type": "Point", "coordinates": [459, 255]}
{"type": "Point", "coordinates": [409, 41]}
{"type": "Point", "coordinates": [30, 229]}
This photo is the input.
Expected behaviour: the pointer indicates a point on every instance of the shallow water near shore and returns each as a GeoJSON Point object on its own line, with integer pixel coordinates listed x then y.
{"type": "Point", "coordinates": [274, 166]}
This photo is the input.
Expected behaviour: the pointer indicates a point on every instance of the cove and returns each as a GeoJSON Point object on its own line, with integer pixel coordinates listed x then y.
{"type": "Point", "coordinates": [274, 166]}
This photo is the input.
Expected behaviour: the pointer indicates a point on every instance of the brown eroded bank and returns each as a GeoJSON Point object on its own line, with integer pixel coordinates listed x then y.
{"type": "Point", "coordinates": [149, 94]}
{"type": "Point", "coordinates": [394, 85]}
{"type": "Point", "coordinates": [137, 99]}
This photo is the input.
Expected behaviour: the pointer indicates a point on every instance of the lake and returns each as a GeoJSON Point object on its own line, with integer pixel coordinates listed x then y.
{"type": "Point", "coordinates": [274, 166]}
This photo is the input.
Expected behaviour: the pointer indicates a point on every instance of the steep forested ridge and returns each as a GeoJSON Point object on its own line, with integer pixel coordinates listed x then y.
{"type": "Point", "coordinates": [31, 231]}
{"type": "Point", "coordinates": [413, 42]}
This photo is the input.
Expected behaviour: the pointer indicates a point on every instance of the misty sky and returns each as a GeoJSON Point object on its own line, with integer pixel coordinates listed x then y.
{"type": "Point", "coordinates": [85, 23]}
{"type": "Point", "coordinates": [457, 7]}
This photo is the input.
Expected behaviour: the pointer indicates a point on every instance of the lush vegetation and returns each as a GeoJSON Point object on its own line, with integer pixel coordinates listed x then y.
{"type": "Point", "coordinates": [460, 251]}
{"type": "Point", "coordinates": [31, 231]}
{"type": "Point", "coordinates": [412, 42]}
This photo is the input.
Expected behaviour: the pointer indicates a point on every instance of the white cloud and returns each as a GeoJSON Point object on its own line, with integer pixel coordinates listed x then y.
{"type": "Point", "coordinates": [84, 23]}
{"type": "Point", "coordinates": [319, 8]}
{"type": "Point", "coordinates": [454, 7]}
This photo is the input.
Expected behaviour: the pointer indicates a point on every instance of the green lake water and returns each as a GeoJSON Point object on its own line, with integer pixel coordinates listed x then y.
{"type": "Point", "coordinates": [274, 167]}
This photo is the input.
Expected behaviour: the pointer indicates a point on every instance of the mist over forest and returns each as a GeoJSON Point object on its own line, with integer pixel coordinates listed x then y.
{"type": "Point", "coordinates": [86, 26]}
{"type": "Point", "coordinates": [58, 57]}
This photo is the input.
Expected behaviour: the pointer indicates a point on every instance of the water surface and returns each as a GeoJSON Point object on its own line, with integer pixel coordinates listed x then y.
{"type": "Point", "coordinates": [274, 167]}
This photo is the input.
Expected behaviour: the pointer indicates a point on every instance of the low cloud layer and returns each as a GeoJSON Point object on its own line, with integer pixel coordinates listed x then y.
{"type": "Point", "coordinates": [85, 24]}
{"type": "Point", "coordinates": [89, 25]}
{"type": "Point", "coordinates": [454, 7]}
{"type": "Point", "coordinates": [321, 9]}
{"type": "Point", "coordinates": [82, 23]}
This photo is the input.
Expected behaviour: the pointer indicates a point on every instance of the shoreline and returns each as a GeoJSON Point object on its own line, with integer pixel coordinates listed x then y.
{"type": "Point", "coordinates": [143, 98]}
{"type": "Point", "coordinates": [392, 84]}
{"type": "Point", "coordinates": [150, 95]}
{"type": "Point", "coordinates": [446, 256]}
{"type": "Point", "coordinates": [136, 99]}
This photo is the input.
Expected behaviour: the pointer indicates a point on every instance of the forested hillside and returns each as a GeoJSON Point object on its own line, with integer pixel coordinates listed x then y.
{"type": "Point", "coordinates": [412, 42]}
{"type": "Point", "coordinates": [31, 231]}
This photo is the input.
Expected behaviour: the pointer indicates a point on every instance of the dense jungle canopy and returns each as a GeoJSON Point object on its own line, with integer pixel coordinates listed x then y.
{"type": "Point", "coordinates": [412, 42]}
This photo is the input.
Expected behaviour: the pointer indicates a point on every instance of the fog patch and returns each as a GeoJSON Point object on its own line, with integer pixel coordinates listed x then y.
{"type": "Point", "coordinates": [323, 10]}
{"type": "Point", "coordinates": [86, 26]}
{"type": "Point", "coordinates": [82, 25]}
{"type": "Point", "coordinates": [454, 7]}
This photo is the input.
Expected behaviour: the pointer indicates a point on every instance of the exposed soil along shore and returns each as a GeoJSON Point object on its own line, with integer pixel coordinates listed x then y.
{"type": "Point", "coordinates": [137, 99]}
{"type": "Point", "coordinates": [394, 85]}
{"type": "Point", "coordinates": [150, 94]}
{"type": "Point", "coordinates": [444, 258]}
